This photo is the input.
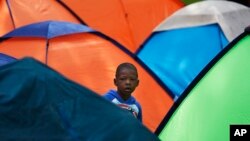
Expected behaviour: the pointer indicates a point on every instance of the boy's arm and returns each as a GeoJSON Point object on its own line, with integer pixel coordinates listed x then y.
{"type": "Point", "coordinates": [107, 97]}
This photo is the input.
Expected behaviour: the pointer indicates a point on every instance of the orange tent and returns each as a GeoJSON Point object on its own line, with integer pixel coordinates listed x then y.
{"type": "Point", "coordinates": [89, 58]}
{"type": "Point", "coordinates": [17, 13]}
{"type": "Point", "coordinates": [127, 21]}
{"type": "Point", "coordinates": [5, 19]}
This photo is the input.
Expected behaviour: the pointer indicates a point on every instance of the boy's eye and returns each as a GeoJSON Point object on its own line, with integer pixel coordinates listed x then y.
{"type": "Point", "coordinates": [122, 78]}
{"type": "Point", "coordinates": [131, 79]}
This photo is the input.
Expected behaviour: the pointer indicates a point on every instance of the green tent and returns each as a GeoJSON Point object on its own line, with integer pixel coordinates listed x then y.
{"type": "Point", "coordinates": [39, 104]}
{"type": "Point", "coordinates": [186, 2]}
{"type": "Point", "coordinates": [217, 98]}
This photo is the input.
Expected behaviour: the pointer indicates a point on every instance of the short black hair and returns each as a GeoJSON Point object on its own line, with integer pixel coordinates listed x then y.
{"type": "Point", "coordinates": [126, 65]}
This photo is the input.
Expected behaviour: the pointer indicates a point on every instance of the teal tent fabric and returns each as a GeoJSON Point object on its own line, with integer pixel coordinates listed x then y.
{"type": "Point", "coordinates": [217, 98]}
{"type": "Point", "coordinates": [39, 104]}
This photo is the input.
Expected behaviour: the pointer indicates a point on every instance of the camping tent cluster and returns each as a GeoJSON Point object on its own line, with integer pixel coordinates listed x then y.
{"type": "Point", "coordinates": [172, 45]}
{"type": "Point", "coordinates": [89, 59]}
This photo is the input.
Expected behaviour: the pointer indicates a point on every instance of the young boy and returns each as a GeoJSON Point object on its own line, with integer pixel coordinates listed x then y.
{"type": "Point", "coordinates": [126, 80]}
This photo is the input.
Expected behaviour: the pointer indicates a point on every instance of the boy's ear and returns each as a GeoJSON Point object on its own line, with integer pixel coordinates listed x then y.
{"type": "Point", "coordinates": [115, 82]}
{"type": "Point", "coordinates": [138, 81]}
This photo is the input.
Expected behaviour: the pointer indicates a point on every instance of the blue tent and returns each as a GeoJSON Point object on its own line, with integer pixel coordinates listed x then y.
{"type": "Point", "coordinates": [5, 59]}
{"type": "Point", "coordinates": [182, 45]}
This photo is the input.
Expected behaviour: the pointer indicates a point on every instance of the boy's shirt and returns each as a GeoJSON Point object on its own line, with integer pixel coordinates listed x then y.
{"type": "Point", "coordinates": [131, 104]}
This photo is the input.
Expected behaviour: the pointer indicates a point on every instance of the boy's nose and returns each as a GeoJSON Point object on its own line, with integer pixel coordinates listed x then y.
{"type": "Point", "coordinates": [128, 81]}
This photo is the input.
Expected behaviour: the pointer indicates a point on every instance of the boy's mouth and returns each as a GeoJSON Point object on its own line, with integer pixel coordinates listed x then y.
{"type": "Point", "coordinates": [128, 89]}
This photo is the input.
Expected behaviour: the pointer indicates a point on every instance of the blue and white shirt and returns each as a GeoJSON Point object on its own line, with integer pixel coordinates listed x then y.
{"type": "Point", "coordinates": [130, 104]}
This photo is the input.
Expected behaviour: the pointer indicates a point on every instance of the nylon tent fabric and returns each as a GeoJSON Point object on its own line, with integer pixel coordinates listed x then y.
{"type": "Point", "coordinates": [37, 103]}
{"type": "Point", "coordinates": [17, 13]}
{"type": "Point", "coordinates": [88, 58]}
{"type": "Point", "coordinates": [225, 13]}
{"type": "Point", "coordinates": [187, 2]}
{"type": "Point", "coordinates": [218, 98]}
{"type": "Point", "coordinates": [5, 19]}
{"type": "Point", "coordinates": [5, 59]}
{"type": "Point", "coordinates": [126, 28]}
{"type": "Point", "coordinates": [186, 41]}
{"type": "Point", "coordinates": [129, 22]}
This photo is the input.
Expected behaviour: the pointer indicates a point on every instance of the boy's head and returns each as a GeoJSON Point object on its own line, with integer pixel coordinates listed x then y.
{"type": "Point", "coordinates": [126, 79]}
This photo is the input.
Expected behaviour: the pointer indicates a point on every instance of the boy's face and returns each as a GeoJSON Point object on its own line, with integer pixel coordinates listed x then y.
{"type": "Point", "coordinates": [126, 81]}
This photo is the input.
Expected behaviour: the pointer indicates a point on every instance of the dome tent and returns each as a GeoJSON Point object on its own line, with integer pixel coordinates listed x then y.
{"type": "Point", "coordinates": [217, 98]}
{"type": "Point", "coordinates": [18, 13]}
{"type": "Point", "coordinates": [187, 40]}
{"type": "Point", "coordinates": [127, 22]}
